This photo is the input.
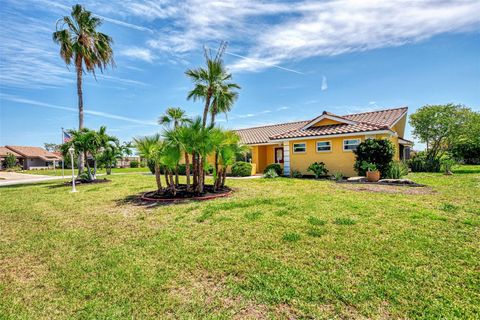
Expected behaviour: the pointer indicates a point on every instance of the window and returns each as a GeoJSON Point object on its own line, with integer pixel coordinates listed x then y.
{"type": "Point", "coordinates": [299, 147]}
{"type": "Point", "coordinates": [323, 146]}
{"type": "Point", "coordinates": [350, 144]}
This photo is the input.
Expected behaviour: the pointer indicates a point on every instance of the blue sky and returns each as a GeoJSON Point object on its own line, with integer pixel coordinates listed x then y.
{"type": "Point", "coordinates": [292, 59]}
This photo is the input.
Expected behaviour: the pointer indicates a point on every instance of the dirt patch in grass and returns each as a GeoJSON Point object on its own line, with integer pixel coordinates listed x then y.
{"type": "Point", "coordinates": [386, 188]}
{"type": "Point", "coordinates": [183, 194]}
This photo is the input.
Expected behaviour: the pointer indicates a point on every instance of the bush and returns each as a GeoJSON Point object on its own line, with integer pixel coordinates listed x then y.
{"type": "Point", "coordinates": [367, 166]}
{"type": "Point", "coordinates": [337, 176]}
{"type": "Point", "coordinates": [447, 165]}
{"type": "Point", "coordinates": [296, 174]}
{"type": "Point", "coordinates": [376, 151]}
{"type": "Point", "coordinates": [318, 168]}
{"type": "Point", "coordinates": [241, 169]}
{"type": "Point", "coordinates": [420, 163]}
{"type": "Point", "coordinates": [134, 164]}
{"type": "Point", "coordinates": [275, 166]}
{"type": "Point", "coordinates": [467, 152]}
{"type": "Point", "coordinates": [271, 173]}
{"type": "Point", "coordinates": [10, 160]}
{"type": "Point", "coordinates": [397, 170]}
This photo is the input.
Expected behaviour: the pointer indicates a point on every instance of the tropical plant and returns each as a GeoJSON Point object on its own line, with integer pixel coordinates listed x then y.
{"type": "Point", "coordinates": [367, 166]}
{"type": "Point", "coordinates": [397, 170]}
{"type": "Point", "coordinates": [270, 173]}
{"type": "Point", "coordinates": [447, 165]}
{"type": "Point", "coordinates": [211, 85]}
{"type": "Point", "coordinates": [109, 156]}
{"type": "Point", "coordinates": [151, 148]}
{"type": "Point", "coordinates": [275, 166]}
{"type": "Point", "coordinates": [337, 176]}
{"type": "Point", "coordinates": [134, 164]}
{"type": "Point", "coordinates": [296, 174]}
{"type": "Point", "coordinates": [241, 169]}
{"type": "Point", "coordinates": [10, 160]}
{"type": "Point", "coordinates": [375, 151]}
{"type": "Point", "coordinates": [175, 116]}
{"type": "Point", "coordinates": [318, 168]}
{"type": "Point", "coordinates": [84, 47]}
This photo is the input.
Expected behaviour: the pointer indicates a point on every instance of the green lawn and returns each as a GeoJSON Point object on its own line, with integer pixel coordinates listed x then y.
{"type": "Point", "coordinates": [279, 248]}
{"type": "Point", "coordinates": [68, 172]}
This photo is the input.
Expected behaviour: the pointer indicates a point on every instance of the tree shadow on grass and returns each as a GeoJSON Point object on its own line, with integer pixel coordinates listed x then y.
{"type": "Point", "coordinates": [136, 200]}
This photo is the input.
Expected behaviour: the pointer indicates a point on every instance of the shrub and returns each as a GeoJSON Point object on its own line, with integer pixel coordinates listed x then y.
{"type": "Point", "coordinates": [337, 176]}
{"type": "Point", "coordinates": [318, 168]}
{"type": "Point", "coordinates": [296, 174]}
{"type": "Point", "coordinates": [420, 163]}
{"type": "Point", "coordinates": [367, 166]}
{"type": "Point", "coordinates": [241, 169]}
{"type": "Point", "coordinates": [134, 164]}
{"type": "Point", "coordinates": [447, 165]}
{"type": "Point", "coordinates": [271, 173]}
{"type": "Point", "coordinates": [467, 152]}
{"type": "Point", "coordinates": [275, 166]}
{"type": "Point", "coordinates": [376, 151]}
{"type": "Point", "coordinates": [397, 170]}
{"type": "Point", "coordinates": [10, 160]}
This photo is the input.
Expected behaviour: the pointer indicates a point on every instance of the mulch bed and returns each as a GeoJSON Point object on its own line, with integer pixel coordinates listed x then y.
{"type": "Point", "coordinates": [184, 195]}
{"type": "Point", "coordinates": [383, 183]}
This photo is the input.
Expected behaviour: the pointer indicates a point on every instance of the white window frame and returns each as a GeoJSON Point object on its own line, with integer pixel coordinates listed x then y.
{"type": "Point", "coordinates": [304, 143]}
{"type": "Point", "coordinates": [322, 151]}
{"type": "Point", "coordinates": [345, 144]}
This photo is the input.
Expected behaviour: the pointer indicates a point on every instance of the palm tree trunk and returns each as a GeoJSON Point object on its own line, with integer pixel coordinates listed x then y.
{"type": "Point", "coordinates": [207, 107]}
{"type": "Point", "coordinates": [217, 174]}
{"type": "Point", "coordinates": [165, 173]}
{"type": "Point", "coordinates": [214, 113]}
{"type": "Point", "coordinates": [176, 175]}
{"type": "Point", "coordinates": [224, 177]}
{"type": "Point", "coordinates": [172, 184]}
{"type": "Point", "coordinates": [187, 170]}
{"type": "Point", "coordinates": [195, 173]}
{"type": "Point", "coordinates": [88, 167]}
{"type": "Point", "coordinates": [78, 64]}
{"type": "Point", "coordinates": [158, 178]}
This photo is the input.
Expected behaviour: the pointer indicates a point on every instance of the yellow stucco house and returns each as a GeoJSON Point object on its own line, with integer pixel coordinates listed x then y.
{"type": "Point", "coordinates": [329, 138]}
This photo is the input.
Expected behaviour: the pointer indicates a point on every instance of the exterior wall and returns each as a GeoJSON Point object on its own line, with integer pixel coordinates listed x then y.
{"type": "Point", "coordinates": [34, 162]}
{"type": "Point", "coordinates": [336, 160]}
{"type": "Point", "coordinates": [264, 155]}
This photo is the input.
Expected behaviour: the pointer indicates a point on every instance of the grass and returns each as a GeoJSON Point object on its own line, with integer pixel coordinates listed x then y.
{"type": "Point", "coordinates": [278, 248]}
{"type": "Point", "coordinates": [68, 172]}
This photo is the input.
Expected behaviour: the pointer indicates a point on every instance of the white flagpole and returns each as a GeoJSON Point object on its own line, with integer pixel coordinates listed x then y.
{"type": "Point", "coordinates": [63, 158]}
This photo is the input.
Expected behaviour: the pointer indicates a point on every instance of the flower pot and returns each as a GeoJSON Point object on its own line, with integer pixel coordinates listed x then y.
{"type": "Point", "coordinates": [373, 176]}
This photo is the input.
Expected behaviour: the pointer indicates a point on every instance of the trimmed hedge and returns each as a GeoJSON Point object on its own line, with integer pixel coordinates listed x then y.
{"type": "Point", "coordinates": [241, 169]}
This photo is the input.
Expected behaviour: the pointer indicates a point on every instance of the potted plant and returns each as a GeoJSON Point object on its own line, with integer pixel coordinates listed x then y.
{"type": "Point", "coordinates": [373, 175]}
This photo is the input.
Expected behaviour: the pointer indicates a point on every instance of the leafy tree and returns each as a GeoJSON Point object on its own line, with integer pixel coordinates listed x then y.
{"type": "Point", "coordinates": [51, 147]}
{"type": "Point", "coordinates": [439, 127]}
{"type": "Point", "coordinates": [10, 160]}
{"type": "Point", "coordinates": [467, 147]}
{"type": "Point", "coordinates": [84, 47]}
{"type": "Point", "coordinates": [379, 152]}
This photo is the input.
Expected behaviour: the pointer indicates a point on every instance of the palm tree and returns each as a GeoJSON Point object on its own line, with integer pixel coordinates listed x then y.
{"type": "Point", "coordinates": [85, 47]}
{"type": "Point", "coordinates": [151, 148]}
{"type": "Point", "coordinates": [209, 81]}
{"type": "Point", "coordinates": [177, 116]}
{"type": "Point", "coordinates": [223, 100]}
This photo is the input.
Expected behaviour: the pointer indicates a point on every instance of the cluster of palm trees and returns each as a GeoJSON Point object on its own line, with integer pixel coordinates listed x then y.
{"type": "Point", "coordinates": [188, 141]}
{"type": "Point", "coordinates": [96, 147]}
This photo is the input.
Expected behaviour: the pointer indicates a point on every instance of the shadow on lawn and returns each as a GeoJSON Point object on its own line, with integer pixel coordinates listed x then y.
{"type": "Point", "coordinates": [136, 200]}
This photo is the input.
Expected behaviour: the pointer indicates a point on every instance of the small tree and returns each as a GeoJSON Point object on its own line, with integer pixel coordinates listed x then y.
{"type": "Point", "coordinates": [439, 127]}
{"type": "Point", "coordinates": [379, 152]}
{"type": "Point", "coordinates": [10, 160]}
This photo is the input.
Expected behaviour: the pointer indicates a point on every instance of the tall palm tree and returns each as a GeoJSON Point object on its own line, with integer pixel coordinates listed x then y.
{"type": "Point", "coordinates": [223, 100]}
{"type": "Point", "coordinates": [177, 116]}
{"type": "Point", "coordinates": [208, 82]}
{"type": "Point", "coordinates": [85, 47]}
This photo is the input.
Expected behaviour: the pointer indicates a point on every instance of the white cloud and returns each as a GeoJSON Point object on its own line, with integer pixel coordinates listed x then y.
{"type": "Point", "coordinates": [36, 103]}
{"type": "Point", "coordinates": [324, 84]}
{"type": "Point", "coordinates": [144, 54]}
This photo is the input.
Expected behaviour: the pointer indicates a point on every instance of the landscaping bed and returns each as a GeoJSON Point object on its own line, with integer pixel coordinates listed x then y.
{"type": "Point", "coordinates": [387, 182]}
{"type": "Point", "coordinates": [84, 181]}
{"type": "Point", "coordinates": [182, 194]}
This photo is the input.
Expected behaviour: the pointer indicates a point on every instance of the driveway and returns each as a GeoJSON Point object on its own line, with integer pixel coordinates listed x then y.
{"type": "Point", "coordinates": [12, 178]}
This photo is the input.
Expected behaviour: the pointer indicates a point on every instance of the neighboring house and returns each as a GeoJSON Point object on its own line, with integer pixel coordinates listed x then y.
{"type": "Point", "coordinates": [328, 138]}
{"type": "Point", "coordinates": [30, 157]}
{"type": "Point", "coordinates": [124, 162]}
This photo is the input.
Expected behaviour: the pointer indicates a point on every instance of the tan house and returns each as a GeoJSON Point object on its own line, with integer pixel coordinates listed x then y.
{"type": "Point", "coordinates": [328, 138]}
{"type": "Point", "coordinates": [30, 157]}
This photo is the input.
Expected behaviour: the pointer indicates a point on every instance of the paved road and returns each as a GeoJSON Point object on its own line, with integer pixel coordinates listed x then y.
{"type": "Point", "coordinates": [13, 178]}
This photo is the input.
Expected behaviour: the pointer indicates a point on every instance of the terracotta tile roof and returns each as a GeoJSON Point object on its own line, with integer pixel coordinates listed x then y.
{"type": "Point", "coordinates": [33, 152]}
{"type": "Point", "coordinates": [364, 122]}
{"type": "Point", "coordinates": [4, 151]}
{"type": "Point", "coordinates": [262, 134]}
